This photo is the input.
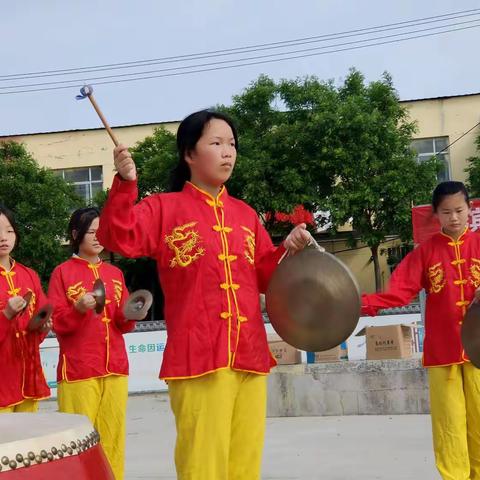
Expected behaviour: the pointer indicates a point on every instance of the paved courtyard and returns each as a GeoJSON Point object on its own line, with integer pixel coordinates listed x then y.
{"type": "Point", "coordinates": [302, 448]}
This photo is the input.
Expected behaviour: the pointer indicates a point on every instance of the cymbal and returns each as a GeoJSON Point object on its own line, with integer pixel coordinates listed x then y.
{"type": "Point", "coordinates": [313, 300]}
{"type": "Point", "coordinates": [28, 298]}
{"type": "Point", "coordinates": [137, 305]}
{"type": "Point", "coordinates": [99, 294]}
{"type": "Point", "coordinates": [471, 333]}
{"type": "Point", "coordinates": [40, 318]}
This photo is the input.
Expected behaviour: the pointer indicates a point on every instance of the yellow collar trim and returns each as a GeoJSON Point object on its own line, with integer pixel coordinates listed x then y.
{"type": "Point", "coordinates": [451, 238]}
{"type": "Point", "coordinates": [91, 265]}
{"type": "Point", "coordinates": [12, 266]}
{"type": "Point", "coordinates": [217, 199]}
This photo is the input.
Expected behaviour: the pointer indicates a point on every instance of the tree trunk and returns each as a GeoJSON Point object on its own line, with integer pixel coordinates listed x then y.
{"type": "Point", "coordinates": [376, 267]}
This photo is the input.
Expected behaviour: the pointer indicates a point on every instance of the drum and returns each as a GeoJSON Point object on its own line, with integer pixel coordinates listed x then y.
{"type": "Point", "coordinates": [36, 446]}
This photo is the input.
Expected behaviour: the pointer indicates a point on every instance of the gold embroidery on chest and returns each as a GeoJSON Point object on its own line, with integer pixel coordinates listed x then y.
{"type": "Point", "coordinates": [436, 275]}
{"type": "Point", "coordinates": [184, 242]}
{"type": "Point", "coordinates": [249, 251]}
{"type": "Point", "coordinates": [118, 290]}
{"type": "Point", "coordinates": [74, 292]}
{"type": "Point", "coordinates": [475, 272]}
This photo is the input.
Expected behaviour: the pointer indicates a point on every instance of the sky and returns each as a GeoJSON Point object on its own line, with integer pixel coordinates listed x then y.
{"type": "Point", "coordinates": [47, 35]}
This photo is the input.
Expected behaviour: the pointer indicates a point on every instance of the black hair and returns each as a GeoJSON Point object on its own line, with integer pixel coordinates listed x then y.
{"type": "Point", "coordinates": [188, 134]}
{"type": "Point", "coordinates": [11, 218]}
{"type": "Point", "coordinates": [448, 188]}
{"type": "Point", "coordinates": [80, 222]}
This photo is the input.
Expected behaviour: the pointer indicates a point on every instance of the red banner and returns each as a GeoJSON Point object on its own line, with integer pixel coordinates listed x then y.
{"type": "Point", "coordinates": [425, 223]}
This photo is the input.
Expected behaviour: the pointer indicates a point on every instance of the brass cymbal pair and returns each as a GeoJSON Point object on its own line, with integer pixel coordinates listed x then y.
{"type": "Point", "coordinates": [136, 306]}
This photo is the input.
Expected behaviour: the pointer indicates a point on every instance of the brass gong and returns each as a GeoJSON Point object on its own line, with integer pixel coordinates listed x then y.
{"type": "Point", "coordinates": [313, 300]}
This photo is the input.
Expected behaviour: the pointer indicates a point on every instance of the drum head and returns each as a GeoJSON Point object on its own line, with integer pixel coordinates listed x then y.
{"type": "Point", "coordinates": [313, 301]}
{"type": "Point", "coordinates": [471, 333]}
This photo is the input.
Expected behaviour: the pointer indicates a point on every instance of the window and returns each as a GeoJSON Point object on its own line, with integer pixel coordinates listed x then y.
{"type": "Point", "coordinates": [87, 181]}
{"type": "Point", "coordinates": [428, 147]}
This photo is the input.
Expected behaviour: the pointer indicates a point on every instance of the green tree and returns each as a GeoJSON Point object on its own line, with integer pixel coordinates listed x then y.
{"type": "Point", "coordinates": [42, 203]}
{"type": "Point", "coordinates": [473, 172]}
{"type": "Point", "coordinates": [283, 161]}
{"type": "Point", "coordinates": [378, 176]}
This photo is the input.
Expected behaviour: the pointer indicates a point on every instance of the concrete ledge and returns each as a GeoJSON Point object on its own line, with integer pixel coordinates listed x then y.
{"type": "Point", "coordinates": [374, 387]}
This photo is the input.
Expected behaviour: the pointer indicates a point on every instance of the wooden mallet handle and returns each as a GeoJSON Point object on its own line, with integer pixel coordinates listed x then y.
{"type": "Point", "coordinates": [87, 92]}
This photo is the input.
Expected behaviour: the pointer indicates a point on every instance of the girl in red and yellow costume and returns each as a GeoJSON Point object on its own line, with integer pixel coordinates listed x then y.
{"type": "Point", "coordinates": [447, 266]}
{"type": "Point", "coordinates": [92, 370]}
{"type": "Point", "coordinates": [214, 258]}
{"type": "Point", "coordinates": [22, 381]}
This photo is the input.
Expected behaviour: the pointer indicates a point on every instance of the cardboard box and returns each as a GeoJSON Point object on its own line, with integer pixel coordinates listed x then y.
{"type": "Point", "coordinates": [283, 353]}
{"type": "Point", "coordinates": [388, 341]}
{"type": "Point", "coordinates": [336, 354]}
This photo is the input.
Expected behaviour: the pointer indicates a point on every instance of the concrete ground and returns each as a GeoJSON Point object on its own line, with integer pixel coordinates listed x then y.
{"type": "Point", "coordinates": [307, 448]}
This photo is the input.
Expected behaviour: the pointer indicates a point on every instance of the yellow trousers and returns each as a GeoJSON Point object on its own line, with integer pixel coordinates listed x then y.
{"type": "Point", "coordinates": [220, 420]}
{"type": "Point", "coordinates": [104, 402]}
{"type": "Point", "coordinates": [455, 410]}
{"type": "Point", "coordinates": [27, 406]}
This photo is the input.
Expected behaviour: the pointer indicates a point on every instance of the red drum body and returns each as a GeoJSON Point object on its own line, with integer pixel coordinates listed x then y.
{"type": "Point", "coordinates": [41, 446]}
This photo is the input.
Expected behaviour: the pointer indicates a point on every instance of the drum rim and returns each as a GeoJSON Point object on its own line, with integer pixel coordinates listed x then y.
{"type": "Point", "coordinates": [48, 447]}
